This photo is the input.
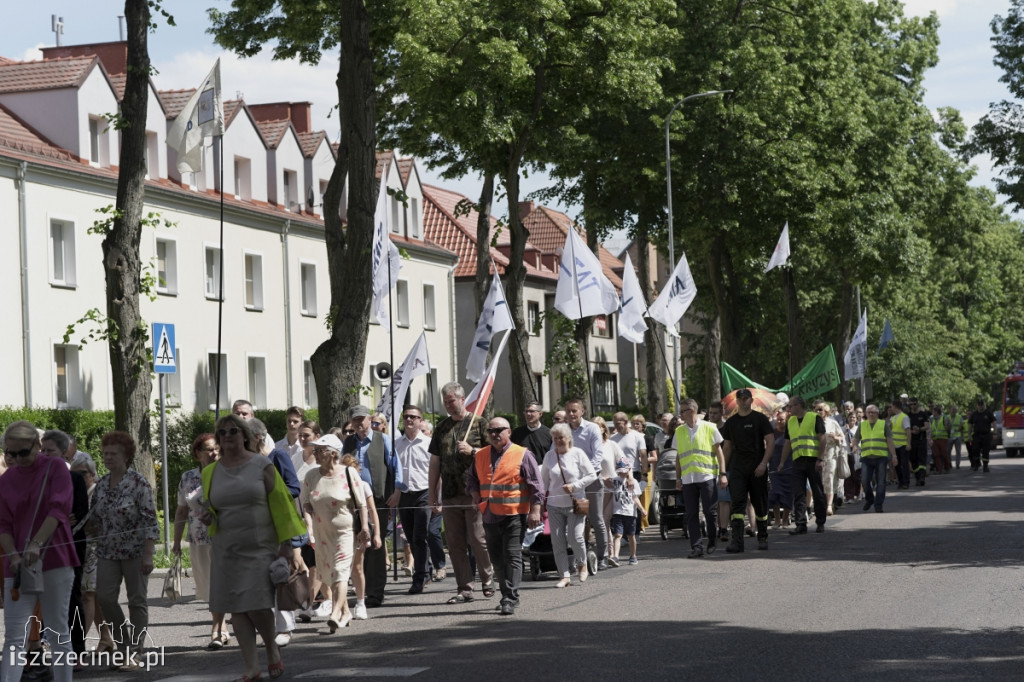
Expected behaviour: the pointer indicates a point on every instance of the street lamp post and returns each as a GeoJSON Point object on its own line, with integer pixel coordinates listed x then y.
{"type": "Point", "coordinates": [671, 234]}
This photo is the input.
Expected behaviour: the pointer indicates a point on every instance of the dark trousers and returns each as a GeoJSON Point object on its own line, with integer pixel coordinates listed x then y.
{"type": "Point", "coordinates": [804, 470]}
{"type": "Point", "coordinates": [375, 561]}
{"type": "Point", "coordinates": [902, 467]}
{"type": "Point", "coordinates": [919, 458]}
{"type": "Point", "coordinates": [415, 515]}
{"type": "Point", "coordinates": [704, 494]}
{"type": "Point", "coordinates": [434, 541]}
{"type": "Point", "coordinates": [505, 548]}
{"type": "Point", "coordinates": [742, 484]}
{"type": "Point", "coordinates": [979, 450]}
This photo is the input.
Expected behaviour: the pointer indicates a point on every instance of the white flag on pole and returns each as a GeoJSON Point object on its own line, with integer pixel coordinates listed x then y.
{"type": "Point", "coordinates": [583, 290]}
{"type": "Point", "coordinates": [417, 363]}
{"type": "Point", "coordinates": [202, 116]}
{"type": "Point", "coordinates": [631, 316]}
{"type": "Point", "coordinates": [781, 253]}
{"type": "Point", "coordinates": [495, 317]}
{"type": "Point", "coordinates": [382, 285]}
{"type": "Point", "coordinates": [676, 297]}
{"type": "Point", "coordinates": [477, 398]}
{"type": "Point", "coordinates": [855, 362]}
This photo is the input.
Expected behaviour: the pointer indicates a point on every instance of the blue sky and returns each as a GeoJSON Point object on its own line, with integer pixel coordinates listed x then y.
{"type": "Point", "coordinates": [965, 77]}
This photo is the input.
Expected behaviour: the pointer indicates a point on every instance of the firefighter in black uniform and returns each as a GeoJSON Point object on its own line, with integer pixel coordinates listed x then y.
{"type": "Point", "coordinates": [918, 440]}
{"type": "Point", "coordinates": [749, 441]}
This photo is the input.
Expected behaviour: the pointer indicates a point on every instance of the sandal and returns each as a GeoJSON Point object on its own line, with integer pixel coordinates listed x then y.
{"type": "Point", "coordinates": [488, 591]}
{"type": "Point", "coordinates": [276, 669]}
{"type": "Point", "coordinates": [215, 644]}
{"type": "Point", "coordinates": [460, 598]}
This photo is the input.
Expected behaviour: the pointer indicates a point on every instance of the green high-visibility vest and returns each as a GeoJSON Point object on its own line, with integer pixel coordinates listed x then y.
{"type": "Point", "coordinates": [872, 439]}
{"type": "Point", "coordinates": [696, 456]}
{"type": "Point", "coordinates": [939, 428]}
{"type": "Point", "coordinates": [899, 434]}
{"type": "Point", "coordinates": [803, 441]}
{"type": "Point", "coordinates": [957, 427]}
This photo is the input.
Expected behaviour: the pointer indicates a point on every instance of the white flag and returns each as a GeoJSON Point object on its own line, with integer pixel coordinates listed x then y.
{"type": "Point", "coordinates": [855, 362]}
{"type": "Point", "coordinates": [382, 284]}
{"type": "Point", "coordinates": [417, 363]}
{"type": "Point", "coordinates": [781, 254]}
{"type": "Point", "coordinates": [477, 398]}
{"type": "Point", "coordinates": [202, 116]}
{"type": "Point", "coordinates": [631, 316]}
{"type": "Point", "coordinates": [583, 290]}
{"type": "Point", "coordinates": [676, 297]}
{"type": "Point", "coordinates": [495, 317]}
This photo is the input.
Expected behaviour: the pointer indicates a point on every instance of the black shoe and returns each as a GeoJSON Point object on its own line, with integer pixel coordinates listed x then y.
{"type": "Point", "coordinates": [723, 533]}
{"type": "Point", "coordinates": [921, 482]}
{"type": "Point", "coordinates": [416, 589]}
{"type": "Point", "coordinates": [373, 602]}
{"type": "Point", "coordinates": [762, 543]}
{"type": "Point", "coordinates": [507, 609]}
{"type": "Point", "coordinates": [695, 553]}
{"type": "Point", "coordinates": [985, 469]}
{"type": "Point", "coordinates": [867, 505]}
{"type": "Point", "coordinates": [801, 529]}
{"type": "Point", "coordinates": [878, 510]}
{"type": "Point", "coordinates": [820, 528]}
{"type": "Point", "coordinates": [712, 544]}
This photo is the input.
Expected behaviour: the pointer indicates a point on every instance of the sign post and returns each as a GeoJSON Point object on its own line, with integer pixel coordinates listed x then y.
{"type": "Point", "coordinates": [164, 363]}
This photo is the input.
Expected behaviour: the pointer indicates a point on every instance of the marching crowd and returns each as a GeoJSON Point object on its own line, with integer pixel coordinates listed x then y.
{"type": "Point", "coordinates": [301, 519]}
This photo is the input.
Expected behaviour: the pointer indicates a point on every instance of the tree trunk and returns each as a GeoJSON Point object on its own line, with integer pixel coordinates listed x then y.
{"type": "Point", "coordinates": [128, 340]}
{"type": "Point", "coordinates": [483, 244]}
{"type": "Point", "coordinates": [522, 371]}
{"type": "Point", "coordinates": [338, 361]}
{"type": "Point", "coordinates": [654, 337]}
{"type": "Point", "coordinates": [713, 361]}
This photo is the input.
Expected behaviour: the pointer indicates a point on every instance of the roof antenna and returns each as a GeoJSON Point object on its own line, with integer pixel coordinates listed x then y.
{"type": "Point", "coordinates": [120, 26]}
{"type": "Point", "coordinates": [57, 26]}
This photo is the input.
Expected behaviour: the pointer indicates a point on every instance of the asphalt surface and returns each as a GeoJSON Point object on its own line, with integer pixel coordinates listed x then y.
{"type": "Point", "coordinates": [929, 590]}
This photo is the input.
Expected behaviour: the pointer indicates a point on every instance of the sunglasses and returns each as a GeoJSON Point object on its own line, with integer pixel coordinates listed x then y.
{"type": "Point", "coordinates": [19, 453]}
{"type": "Point", "coordinates": [411, 416]}
{"type": "Point", "coordinates": [374, 424]}
{"type": "Point", "coordinates": [233, 431]}
{"type": "Point", "coordinates": [496, 432]}
{"type": "Point", "coordinates": [348, 432]}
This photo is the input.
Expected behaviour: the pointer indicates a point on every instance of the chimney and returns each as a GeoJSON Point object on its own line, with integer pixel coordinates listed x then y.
{"type": "Point", "coordinates": [113, 56]}
{"type": "Point", "coordinates": [301, 117]}
{"type": "Point", "coordinates": [525, 209]}
{"type": "Point", "coordinates": [270, 112]}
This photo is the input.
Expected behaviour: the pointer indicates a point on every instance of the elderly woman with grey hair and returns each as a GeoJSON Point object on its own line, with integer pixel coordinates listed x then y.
{"type": "Point", "coordinates": [565, 475]}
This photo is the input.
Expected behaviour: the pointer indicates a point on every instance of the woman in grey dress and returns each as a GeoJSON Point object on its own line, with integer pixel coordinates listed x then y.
{"type": "Point", "coordinates": [247, 515]}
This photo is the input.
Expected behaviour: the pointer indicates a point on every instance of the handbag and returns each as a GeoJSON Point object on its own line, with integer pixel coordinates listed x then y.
{"type": "Point", "coordinates": [579, 506]}
{"type": "Point", "coordinates": [172, 581]}
{"type": "Point", "coordinates": [357, 519]}
{"type": "Point", "coordinates": [30, 578]}
{"type": "Point", "coordinates": [842, 467]}
{"type": "Point", "coordinates": [293, 594]}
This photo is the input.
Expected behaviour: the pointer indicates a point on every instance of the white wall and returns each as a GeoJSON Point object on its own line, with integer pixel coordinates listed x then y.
{"type": "Point", "coordinates": [243, 139]}
{"type": "Point", "coordinates": [54, 113]}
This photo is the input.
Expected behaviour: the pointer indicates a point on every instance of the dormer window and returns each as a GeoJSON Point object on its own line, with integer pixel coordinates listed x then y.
{"type": "Point", "coordinates": [416, 228]}
{"type": "Point", "coordinates": [291, 188]}
{"type": "Point", "coordinates": [99, 144]}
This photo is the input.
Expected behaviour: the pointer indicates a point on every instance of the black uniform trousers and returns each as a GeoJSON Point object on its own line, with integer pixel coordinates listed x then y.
{"type": "Point", "coordinates": [743, 483]}
{"type": "Point", "coordinates": [804, 471]}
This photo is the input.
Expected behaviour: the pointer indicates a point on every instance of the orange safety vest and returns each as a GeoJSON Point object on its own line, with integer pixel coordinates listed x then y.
{"type": "Point", "coordinates": [503, 489]}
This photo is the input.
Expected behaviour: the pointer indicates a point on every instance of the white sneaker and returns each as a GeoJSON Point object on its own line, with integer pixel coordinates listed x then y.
{"type": "Point", "coordinates": [324, 610]}
{"type": "Point", "coordinates": [359, 612]}
{"type": "Point", "coordinates": [282, 639]}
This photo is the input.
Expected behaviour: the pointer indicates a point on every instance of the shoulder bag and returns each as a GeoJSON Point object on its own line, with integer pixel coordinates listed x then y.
{"type": "Point", "coordinates": [357, 520]}
{"type": "Point", "coordinates": [172, 581]}
{"type": "Point", "coordinates": [842, 466]}
{"type": "Point", "coordinates": [579, 506]}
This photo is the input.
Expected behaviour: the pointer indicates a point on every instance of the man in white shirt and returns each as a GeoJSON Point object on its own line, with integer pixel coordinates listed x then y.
{"type": "Point", "coordinates": [290, 443]}
{"type": "Point", "coordinates": [587, 437]}
{"type": "Point", "coordinates": [244, 409]}
{"type": "Point", "coordinates": [633, 446]}
{"type": "Point", "coordinates": [414, 502]}
{"type": "Point", "coordinates": [699, 445]}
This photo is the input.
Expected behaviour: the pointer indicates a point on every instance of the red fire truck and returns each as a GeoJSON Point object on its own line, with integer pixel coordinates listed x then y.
{"type": "Point", "coordinates": [1013, 411]}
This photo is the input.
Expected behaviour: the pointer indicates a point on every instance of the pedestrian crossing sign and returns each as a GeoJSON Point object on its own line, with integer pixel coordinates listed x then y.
{"type": "Point", "coordinates": [164, 361]}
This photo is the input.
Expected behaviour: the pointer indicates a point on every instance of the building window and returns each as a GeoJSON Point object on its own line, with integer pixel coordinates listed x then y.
{"type": "Point", "coordinates": [253, 281]}
{"type": "Point", "coordinates": [212, 272]}
{"type": "Point", "coordinates": [257, 367]}
{"type": "Point", "coordinates": [320, 203]}
{"type": "Point", "coordinates": [243, 178]}
{"type": "Point", "coordinates": [291, 188]}
{"type": "Point", "coordinates": [308, 385]}
{"type": "Point", "coordinates": [396, 214]}
{"type": "Point", "coordinates": [62, 253]}
{"type": "Point", "coordinates": [429, 319]}
{"type": "Point", "coordinates": [99, 145]}
{"type": "Point", "coordinates": [538, 382]}
{"type": "Point", "coordinates": [402, 303]}
{"type": "Point", "coordinates": [166, 266]}
{"type": "Point", "coordinates": [307, 273]}
{"type": "Point", "coordinates": [152, 156]}
{"type": "Point", "coordinates": [211, 383]}
{"type": "Point", "coordinates": [414, 209]}
{"type": "Point", "coordinates": [603, 326]}
{"type": "Point", "coordinates": [606, 390]}
{"type": "Point", "coordinates": [67, 376]}
{"type": "Point", "coordinates": [533, 318]}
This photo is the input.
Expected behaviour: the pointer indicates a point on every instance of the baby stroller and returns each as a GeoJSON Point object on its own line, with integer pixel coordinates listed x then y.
{"type": "Point", "coordinates": [671, 513]}
{"type": "Point", "coordinates": [540, 555]}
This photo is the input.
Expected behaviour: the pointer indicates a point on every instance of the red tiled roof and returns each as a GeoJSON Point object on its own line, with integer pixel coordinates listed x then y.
{"type": "Point", "coordinates": [309, 142]}
{"type": "Point", "coordinates": [16, 135]}
{"type": "Point", "coordinates": [383, 159]}
{"type": "Point", "coordinates": [459, 234]}
{"type": "Point", "coordinates": [273, 131]}
{"type": "Point", "coordinates": [52, 74]}
{"type": "Point", "coordinates": [231, 107]}
{"type": "Point", "coordinates": [118, 81]}
{"type": "Point", "coordinates": [405, 169]}
{"type": "Point", "coordinates": [174, 101]}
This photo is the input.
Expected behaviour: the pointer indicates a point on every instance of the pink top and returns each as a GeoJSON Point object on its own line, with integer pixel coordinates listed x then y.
{"type": "Point", "coordinates": [19, 494]}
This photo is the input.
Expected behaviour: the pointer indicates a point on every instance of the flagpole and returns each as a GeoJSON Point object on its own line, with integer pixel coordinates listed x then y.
{"type": "Point", "coordinates": [863, 379]}
{"type": "Point", "coordinates": [220, 289]}
{"type": "Point", "coordinates": [391, 352]}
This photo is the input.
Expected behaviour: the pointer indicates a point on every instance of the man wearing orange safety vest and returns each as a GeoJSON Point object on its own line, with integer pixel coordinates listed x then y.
{"type": "Point", "coordinates": [505, 483]}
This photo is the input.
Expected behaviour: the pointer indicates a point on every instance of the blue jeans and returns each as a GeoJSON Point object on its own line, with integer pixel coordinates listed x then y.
{"type": "Point", "coordinates": [872, 476]}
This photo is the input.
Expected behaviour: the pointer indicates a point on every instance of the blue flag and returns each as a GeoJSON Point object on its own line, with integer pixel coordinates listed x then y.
{"type": "Point", "coordinates": [887, 336]}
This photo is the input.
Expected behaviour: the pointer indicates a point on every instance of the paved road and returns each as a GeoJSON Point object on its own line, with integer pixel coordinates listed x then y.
{"type": "Point", "coordinates": [930, 590]}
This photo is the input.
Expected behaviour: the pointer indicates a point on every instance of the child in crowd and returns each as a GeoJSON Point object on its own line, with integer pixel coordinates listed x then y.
{"type": "Point", "coordinates": [625, 507]}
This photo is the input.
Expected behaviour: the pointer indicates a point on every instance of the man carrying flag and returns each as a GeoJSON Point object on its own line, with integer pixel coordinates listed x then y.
{"type": "Point", "coordinates": [202, 116]}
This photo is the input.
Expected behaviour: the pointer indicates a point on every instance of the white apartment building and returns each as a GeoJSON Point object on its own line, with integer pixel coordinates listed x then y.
{"type": "Point", "coordinates": [58, 167]}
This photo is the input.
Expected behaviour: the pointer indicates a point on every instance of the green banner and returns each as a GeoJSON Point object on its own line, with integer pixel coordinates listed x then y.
{"type": "Point", "coordinates": [817, 377]}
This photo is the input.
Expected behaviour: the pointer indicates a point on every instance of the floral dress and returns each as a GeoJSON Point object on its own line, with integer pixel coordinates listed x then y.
{"type": "Point", "coordinates": [126, 516]}
{"type": "Point", "coordinates": [332, 503]}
